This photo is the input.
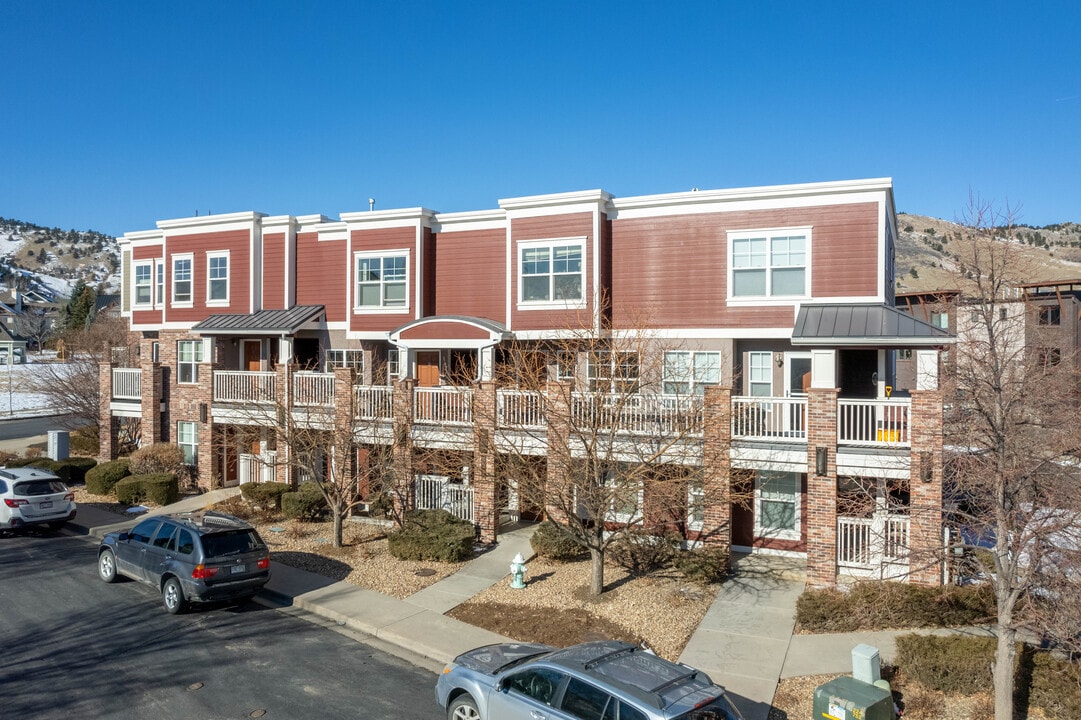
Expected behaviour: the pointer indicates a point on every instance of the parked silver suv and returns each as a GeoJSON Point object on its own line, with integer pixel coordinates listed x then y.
{"type": "Point", "coordinates": [32, 496]}
{"type": "Point", "coordinates": [606, 680]}
{"type": "Point", "coordinates": [200, 556]}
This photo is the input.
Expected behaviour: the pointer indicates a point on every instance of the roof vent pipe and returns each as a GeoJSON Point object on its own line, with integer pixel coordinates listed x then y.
{"type": "Point", "coordinates": [371, 204]}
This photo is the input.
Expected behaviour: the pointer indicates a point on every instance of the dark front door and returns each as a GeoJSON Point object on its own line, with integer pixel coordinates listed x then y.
{"type": "Point", "coordinates": [252, 352]}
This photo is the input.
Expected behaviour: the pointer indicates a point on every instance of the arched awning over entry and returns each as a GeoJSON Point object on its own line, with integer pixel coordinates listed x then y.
{"type": "Point", "coordinates": [457, 332]}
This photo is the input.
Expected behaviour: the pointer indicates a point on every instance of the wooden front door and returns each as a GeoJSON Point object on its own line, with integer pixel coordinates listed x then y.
{"type": "Point", "coordinates": [428, 369]}
{"type": "Point", "coordinates": [251, 355]}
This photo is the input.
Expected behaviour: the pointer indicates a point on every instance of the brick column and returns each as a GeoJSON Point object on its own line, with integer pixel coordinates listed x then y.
{"type": "Point", "coordinates": [482, 474]}
{"type": "Point", "coordinates": [402, 451]}
{"type": "Point", "coordinates": [151, 390]}
{"type": "Point", "coordinates": [107, 440]}
{"type": "Point", "coordinates": [925, 488]}
{"type": "Point", "coordinates": [717, 467]}
{"type": "Point", "coordinates": [210, 449]}
{"type": "Point", "coordinates": [558, 439]}
{"type": "Point", "coordinates": [343, 423]}
{"type": "Point", "coordinates": [822, 489]}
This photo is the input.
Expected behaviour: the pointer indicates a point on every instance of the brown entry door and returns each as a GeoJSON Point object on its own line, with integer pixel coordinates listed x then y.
{"type": "Point", "coordinates": [427, 369]}
{"type": "Point", "coordinates": [251, 355]}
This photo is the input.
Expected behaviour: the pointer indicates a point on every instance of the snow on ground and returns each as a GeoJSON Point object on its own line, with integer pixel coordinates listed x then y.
{"type": "Point", "coordinates": [16, 381]}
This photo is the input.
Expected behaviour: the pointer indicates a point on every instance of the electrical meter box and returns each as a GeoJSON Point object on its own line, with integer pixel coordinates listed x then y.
{"type": "Point", "coordinates": [846, 698]}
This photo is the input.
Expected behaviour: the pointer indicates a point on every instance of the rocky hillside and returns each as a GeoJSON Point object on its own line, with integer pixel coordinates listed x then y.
{"type": "Point", "coordinates": [927, 249]}
{"type": "Point", "coordinates": [56, 258]}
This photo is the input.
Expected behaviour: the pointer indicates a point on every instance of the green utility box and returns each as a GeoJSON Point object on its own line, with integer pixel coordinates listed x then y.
{"type": "Point", "coordinates": [846, 698]}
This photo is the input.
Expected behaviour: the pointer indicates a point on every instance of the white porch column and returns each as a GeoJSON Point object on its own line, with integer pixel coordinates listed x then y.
{"type": "Point", "coordinates": [824, 369]}
{"type": "Point", "coordinates": [927, 369]}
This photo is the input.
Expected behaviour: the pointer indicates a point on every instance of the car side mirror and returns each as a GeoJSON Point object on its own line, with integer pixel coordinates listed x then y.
{"type": "Point", "coordinates": [123, 537]}
{"type": "Point", "coordinates": [499, 686]}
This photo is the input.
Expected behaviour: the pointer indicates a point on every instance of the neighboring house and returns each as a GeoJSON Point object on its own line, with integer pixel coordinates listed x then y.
{"type": "Point", "coordinates": [779, 298]}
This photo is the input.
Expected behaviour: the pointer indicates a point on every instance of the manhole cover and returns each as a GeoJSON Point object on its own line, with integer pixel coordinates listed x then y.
{"type": "Point", "coordinates": [195, 686]}
{"type": "Point", "coordinates": [424, 572]}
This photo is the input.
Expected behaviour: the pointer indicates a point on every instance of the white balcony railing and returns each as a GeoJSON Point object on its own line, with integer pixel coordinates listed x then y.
{"type": "Point", "coordinates": [127, 384]}
{"type": "Point", "coordinates": [870, 543]}
{"type": "Point", "coordinates": [873, 422]}
{"type": "Point", "coordinates": [313, 389]}
{"type": "Point", "coordinates": [437, 492]}
{"type": "Point", "coordinates": [520, 409]}
{"type": "Point", "coordinates": [443, 405]}
{"type": "Point", "coordinates": [374, 402]}
{"type": "Point", "coordinates": [638, 414]}
{"type": "Point", "coordinates": [238, 386]}
{"type": "Point", "coordinates": [782, 419]}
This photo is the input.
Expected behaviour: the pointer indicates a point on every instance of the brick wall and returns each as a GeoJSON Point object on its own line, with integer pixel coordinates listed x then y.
{"type": "Point", "coordinates": [482, 475]}
{"type": "Point", "coordinates": [717, 467]}
{"type": "Point", "coordinates": [925, 523]}
{"type": "Point", "coordinates": [822, 489]}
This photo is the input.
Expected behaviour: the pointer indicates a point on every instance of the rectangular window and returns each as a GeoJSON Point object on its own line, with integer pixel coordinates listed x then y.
{"type": "Point", "coordinates": [187, 437]}
{"type": "Point", "coordinates": [1050, 315]}
{"type": "Point", "coordinates": [1048, 357]}
{"type": "Point", "coordinates": [381, 281]}
{"type": "Point", "coordinates": [217, 278]}
{"type": "Point", "coordinates": [904, 354]}
{"type": "Point", "coordinates": [777, 505]}
{"type": "Point", "coordinates": [941, 320]}
{"type": "Point", "coordinates": [769, 263]}
{"type": "Point", "coordinates": [760, 374]}
{"type": "Point", "coordinates": [696, 504]}
{"type": "Point", "coordinates": [189, 353]}
{"type": "Point", "coordinates": [182, 273]}
{"type": "Point", "coordinates": [687, 372]}
{"type": "Point", "coordinates": [143, 279]}
{"type": "Point", "coordinates": [345, 359]}
{"type": "Point", "coordinates": [624, 498]}
{"type": "Point", "coordinates": [613, 372]}
{"type": "Point", "coordinates": [393, 363]}
{"type": "Point", "coordinates": [566, 365]}
{"type": "Point", "coordinates": [159, 282]}
{"type": "Point", "coordinates": [551, 273]}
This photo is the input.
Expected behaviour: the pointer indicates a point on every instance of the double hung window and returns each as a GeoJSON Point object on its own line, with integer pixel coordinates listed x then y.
{"type": "Point", "coordinates": [217, 278]}
{"type": "Point", "coordinates": [345, 359]}
{"type": "Point", "coordinates": [382, 281]}
{"type": "Point", "coordinates": [687, 372]}
{"type": "Point", "coordinates": [1050, 315]}
{"type": "Point", "coordinates": [613, 372]}
{"type": "Point", "coordinates": [769, 263]}
{"type": "Point", "coordinates": [182, 279]}
{"type": "Point", "coordinates": [625, 497]}
{"type": "Point", "coordinates": [777, 505]}
{"type": "Point", "coordinates": [143, 283]}
{"type": "Point", "coordinates": [551, 272]}
{"type": "Point", "coordinates": [189, 353]}
{"type": "Point", "coordinates": [187, 437]}
{"type": "Point", "coordinates": [760, 374]}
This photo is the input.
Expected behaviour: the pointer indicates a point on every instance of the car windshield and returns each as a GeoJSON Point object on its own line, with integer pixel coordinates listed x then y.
{"type": "Point", "coordinates": [231, 543]}
{"type": "Point", "coordinates": [39, 487]}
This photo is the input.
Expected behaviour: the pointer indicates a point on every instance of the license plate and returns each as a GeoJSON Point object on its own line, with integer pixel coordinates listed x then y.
{"type": "Point", "coordinates": [236, 569]}
{"type": "Point", "coordinates": [46, 504]}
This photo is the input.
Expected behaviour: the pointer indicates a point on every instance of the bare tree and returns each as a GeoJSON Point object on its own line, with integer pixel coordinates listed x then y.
{"type": "Point", "coordinates": [35, 325]}
{"type": "Point", "coordinates": [1012, 479]}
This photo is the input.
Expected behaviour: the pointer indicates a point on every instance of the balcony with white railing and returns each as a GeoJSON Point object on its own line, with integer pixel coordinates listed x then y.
{"type": "Point", "coordinates": [374, 402]}
{"type": "Point", "coordinates": [443, 405]}
{"type": "Point", "coordinates": [127, 384]}
{"type": "Point", "coordinates": [873, 422]}
{"type": "Point", "coordinates": [520, 409]}
{"type": "Point", "coordinates": [873, 546]}
{"type": "Point", "coordinates": [645, 414]}
{"type": "Point", "coordinates": [236, 386]}
{"type": "Point", "coordinates": [770, 418]}
{"type": "Point", "coordinates": [313, 389]}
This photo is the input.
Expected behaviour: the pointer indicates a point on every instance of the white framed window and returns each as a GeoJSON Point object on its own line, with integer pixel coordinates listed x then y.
{"type": "Point", "coordinates": [760, 374]}
{"type": "Point", "coordinates": [690, 372]}
{"type": "Point", "coordinates": [769, 263]}
{"type": "Point", "coordinates": [566, 363]}
{"type": "Point", "coordinates": [345, 358]}
{"type": "Point", "coordinates": [394, 368]}
{"type": "Point", "coordinates": [382, 281]}
{"type": "Point", "coordinates": [613, 372]}
{"type": "Point", "coordinates": [142, 274]}
{"type": "Point", "coordinates": [777, 505]}
{"type": "Point", "coordinates": [551, 273]}
{"type": "Point", "coordinates": [625, 498]}
{"type": "Point", "coordinates": [187, 437]}
{"type": "Point", "coordinates": [159, 282]}
{"type": "Point", "coordinates": [942, 320]}
{"type": "Point", "coordinates": [217, 278]}
{"type": "Point", "coordinates": [189, 353]}
{"type": "Point", "coordinates": [182, 279]}
{"type": "Point", "coordinates": [696, 504]}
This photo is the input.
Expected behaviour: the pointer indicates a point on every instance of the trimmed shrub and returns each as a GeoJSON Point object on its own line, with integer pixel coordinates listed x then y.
{"type": "Point", "coordinates": [160, 488]}
{"type": "Point", "coordinates": [1056, 685]}
{"type": "Point", "coordinates": [73, 470]}
{"type": "Point", "coordinates": [883, 605]}
{"type": "Point", "coordinates": [157, 458]}
{"type": "Point", "coordinates": [705, 565]}
{"type": "Point", "coordinates": [307, 503]}
{"type": "Point", "coordinates": [552, 542]}
{"type": "Point", "coordinates": [101, 479]}
{"type": "Point", "coordinates": [434, 535]}
{"type": "Point", "coordinates": [266, 495]}
{"type": "Point", "coordinates": [948, 664]}
{"type": "Point", "coordinates": [129, 490]}
{"type": "Point", "coordinates": [640, 553]}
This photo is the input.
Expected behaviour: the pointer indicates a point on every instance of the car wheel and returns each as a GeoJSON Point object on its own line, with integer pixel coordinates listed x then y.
{"type": "Point", "coordinates": [107, 566]}
{"type": "Point", "coordinates": [463, 708]}
{"type": "Point", "coordinates": [172, 595]}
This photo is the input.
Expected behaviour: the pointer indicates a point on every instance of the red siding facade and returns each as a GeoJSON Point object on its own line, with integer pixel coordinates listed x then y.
{"type": "Point", "coordinates": [321, 275]}
{"type": "Point", "coordinates": [274, 269]}
{"type": "Point", "coordinates": [544, 228]}
{"type": "Point", "coordinates": [471, 274]}
{"type": "Point", "coordinates": [237, 242]}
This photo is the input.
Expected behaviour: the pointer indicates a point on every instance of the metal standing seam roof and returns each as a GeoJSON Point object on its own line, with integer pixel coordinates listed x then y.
{"type": "Point", "coordinates": [262, 322]}
{"type": "Point", "coordinates": [846, 324]}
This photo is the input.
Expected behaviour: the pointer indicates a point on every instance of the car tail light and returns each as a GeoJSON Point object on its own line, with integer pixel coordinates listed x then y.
{"type": "Point", "coordinates": [15, 502]}
{"type": "Point", "coordinates": [263, 563]}
{"type": "Point", "coordinates": [202, 572]}
{"type": "Point", "coordinates": [70, 497]}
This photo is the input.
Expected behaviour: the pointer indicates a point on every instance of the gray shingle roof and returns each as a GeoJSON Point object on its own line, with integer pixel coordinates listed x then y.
{"type": "Point", "coordinates": [263, 322]}
{"type": "Point", "coordinates": [876, 325]}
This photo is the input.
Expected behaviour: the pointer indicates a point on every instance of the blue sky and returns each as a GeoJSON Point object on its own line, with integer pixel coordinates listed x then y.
{"type": "Point", "coordinates": [119, 114]}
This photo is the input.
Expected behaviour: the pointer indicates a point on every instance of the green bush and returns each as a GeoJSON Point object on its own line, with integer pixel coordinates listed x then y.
{"type": "Point", "coordinates": [552, 542]}
{"type": "Point", "coordinates": [434, 535]}
{"type": "Point", "coordinates": [883, 605]}
{"type": "Point", "coordinates": [307, 503]}
{"type": "Point", "coordinates": [706, 565]}
{"type": "Point", "coordinates": [73, 470]}
{"type": "Point", "coordinates": [267, 495]}
{"type": "Point", "coordinates": [157, 458]}
{"type": "Point", "coordinates": [101, 479]}
{"type": "Point", "coordinates": [640, 553]}
{"type": "Point", "coordinates": [1056, 685]}
{"type": "Point", "coordinates": [84, 442]}
{"type": "Point", "coordinates": [160, 488]}
{"type": "Point", "coordinates": [950, 664]}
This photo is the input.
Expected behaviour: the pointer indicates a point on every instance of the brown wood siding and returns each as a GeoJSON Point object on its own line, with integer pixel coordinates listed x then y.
{"type": "Point", "coordinates": [321, 277]}
{"type": "Point", "coordinates": [237, 243]}
{"type": "Point", "coordinates": [147, 252]}
{"type": "Point", "coordinates": [543, 228]}
{"type": "Point", "coordinates": [274, 271]}
{"type": "Point", "coordinates": [403, 238]}
{"type": "Point", "coordinates": [672, 271]}
{"type": "Point", "coordinates": [471, 274]}
{"type": "Point", "coordinates": [445, 330]}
